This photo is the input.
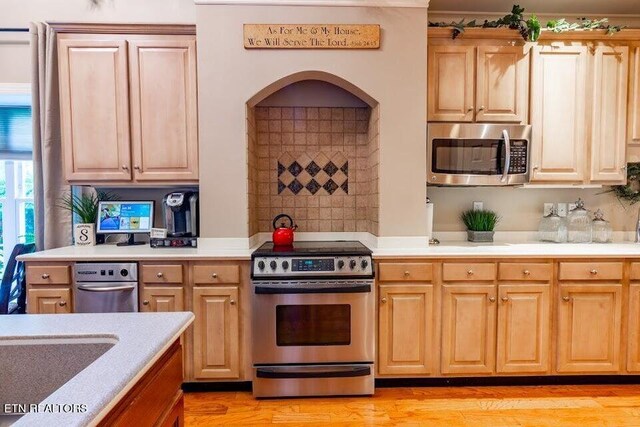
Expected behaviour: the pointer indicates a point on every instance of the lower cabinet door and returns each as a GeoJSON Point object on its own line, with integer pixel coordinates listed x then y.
{"type": "Point", "coordinates": [633, 354]}
{"type": "Point", "coordinates": [161, 299]}
{"type": "Point", "coordinates": [216, 338]}
{"type": "Point", "coordinates": [523, 328]}
{"type": "Point", "coordinates": [468, 329]}
{"type": "Point", "coordinates": [49, 301]}
{"type": "Point", "coordinates": [405, 329]}
{"type": "Point", "coordinates": [589, 322]}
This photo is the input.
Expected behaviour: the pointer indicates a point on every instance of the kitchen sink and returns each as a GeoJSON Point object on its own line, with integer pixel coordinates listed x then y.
{"type": "Point", "coordinates": [34, 367]}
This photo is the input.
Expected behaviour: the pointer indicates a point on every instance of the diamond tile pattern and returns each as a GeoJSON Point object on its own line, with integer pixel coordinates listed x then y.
{"type": "Point", "coordinates": [320, 173]}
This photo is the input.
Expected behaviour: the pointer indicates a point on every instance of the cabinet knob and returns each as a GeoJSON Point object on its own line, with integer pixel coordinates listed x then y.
{"type": "Point", "coordinates": [594, 272]}
{"type": "Point", "coordinates": [45, 276]}
{"type": "Point", "coordinates": [407, 273]}
{"type": "Point", "coordinates": [136, 167]}
{"type": "Point", "coordinates": [160, 274]}
{"type": "Point", "coordinates": [62, 303]}
{"type": "Point", "coordinates": [214, 275]}
{"type": "Point", "coordinates": [526, 272]}
{"type": "Point", "coordinates": [125, 167]}
{"type": "Point", "coordinates": [383, 300]}
{"type": "Point", "coordinates": [232, 302]}
{"type": "Point", "coordinates": [505, 298]}
{"type": "Point", "coordinates": [565, 298]}
{"type": "Point", "coordinates": [623, 167]}
{"type": "Point", "coordinates": [481, 108]}
{"type": "Point", "coordinates": [470, 273]}
{"type": "Point", "coordinates": [492, 299]}
{"type": "Point", "coordinates": [470, 109]}
{"type": "Point", "coordinates": [145, 302]}
{"type": "Point", "coordinates": [535, 168]}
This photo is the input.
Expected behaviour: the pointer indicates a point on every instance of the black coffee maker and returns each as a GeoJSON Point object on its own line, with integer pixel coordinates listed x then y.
{"type": "Point", "coordinates": [180, 212]}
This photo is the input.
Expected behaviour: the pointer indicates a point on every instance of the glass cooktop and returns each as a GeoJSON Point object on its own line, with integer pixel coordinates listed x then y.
{"type": "Point", "coordinates": [334, 247]}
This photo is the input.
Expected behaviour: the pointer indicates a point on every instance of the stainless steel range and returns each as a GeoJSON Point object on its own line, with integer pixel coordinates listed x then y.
{"type": "Point", "coordinates": [313, 319]}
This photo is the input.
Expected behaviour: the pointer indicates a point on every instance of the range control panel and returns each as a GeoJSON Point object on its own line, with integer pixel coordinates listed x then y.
{"type": "Point", "coordinates": [282, 266]}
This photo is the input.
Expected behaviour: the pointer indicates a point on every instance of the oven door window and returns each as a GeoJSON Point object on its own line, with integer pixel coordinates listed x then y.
{"type": "Point", "coordinates": [313, 325]}
{"type": "Point", "coordinates": [468, 156]}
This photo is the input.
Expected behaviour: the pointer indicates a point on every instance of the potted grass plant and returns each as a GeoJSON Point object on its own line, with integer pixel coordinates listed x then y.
{"type": "Point", "coordinates": [85, 207]}
{"type": "Point", "coordinates": [480, 224]}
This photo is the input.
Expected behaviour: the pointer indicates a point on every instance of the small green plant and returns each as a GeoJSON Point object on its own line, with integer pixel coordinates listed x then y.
{"type": "Point", "coordinates": [480, 220]}
{"type": "Point", "coordinates": [85, 206]}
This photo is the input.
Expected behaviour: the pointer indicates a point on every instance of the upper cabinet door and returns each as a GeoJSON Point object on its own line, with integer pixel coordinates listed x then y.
{"type": "Point", "coordinates": [502, 84]}
{"type": "Point", "coordinates": [451, 83]}
{"type": "Point", "coordinates": [94, 107]}
{"type": "Point", "coordinates": [164, 123]}
{"type": "Point", "coordinates": [608, 126]}
{"type": "Point", "coordinates": [558, 113]}
{"type": "Point", "coordinates": [634, 104]}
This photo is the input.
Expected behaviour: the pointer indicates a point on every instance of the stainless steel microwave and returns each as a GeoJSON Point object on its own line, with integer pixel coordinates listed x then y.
{"type": "Point", "coordinates": [466, 154]}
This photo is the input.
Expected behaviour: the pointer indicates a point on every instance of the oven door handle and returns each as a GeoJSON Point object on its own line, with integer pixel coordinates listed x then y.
{"type": "Point", "coordinates": [290, 372]}
{"type": "Point", "coordinates": [507, 158]}
{"type": "Point", "coordinates": [330, 289]}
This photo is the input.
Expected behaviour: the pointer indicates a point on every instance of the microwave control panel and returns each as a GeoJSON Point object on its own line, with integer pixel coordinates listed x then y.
{"type": "Point", "coordinates": [518, 163]}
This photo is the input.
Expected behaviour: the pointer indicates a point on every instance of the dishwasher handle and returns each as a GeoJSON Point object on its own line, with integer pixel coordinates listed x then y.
{"type": "Point", "coordinates": [106, 288]}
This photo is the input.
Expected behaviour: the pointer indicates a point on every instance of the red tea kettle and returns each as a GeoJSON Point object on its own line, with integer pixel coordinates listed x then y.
{"type": "Point", "coordinates": [283, 236]}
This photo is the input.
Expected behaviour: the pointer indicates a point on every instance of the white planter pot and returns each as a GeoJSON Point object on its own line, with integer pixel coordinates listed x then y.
{"type": "Point", "coordinates": [84, 234]}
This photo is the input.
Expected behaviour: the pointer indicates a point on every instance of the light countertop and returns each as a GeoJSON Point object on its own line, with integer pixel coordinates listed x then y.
{"type": "Point", "coordinates": [141, 339]}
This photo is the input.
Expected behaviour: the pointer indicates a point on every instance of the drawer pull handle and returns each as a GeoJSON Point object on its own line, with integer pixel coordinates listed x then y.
{"type": "Point", "coordinates": [594, 272]}
{"type": "Point", "coordinates": [160, 274]}
{"type": "Point", "coordinates": [145, 302]}
{"type": "Point", "coordinates": [565, 298]}
{"type": "Point", "coordinates": [407, 273]}
{"type": "Point", "coordinates": [214, 275]}
{"type": "Point", "coordinates": [470, 273]}
{"type": "Point", "coordinates": [232, 302]}
{"type": "Point", "coordinates": [526, 273]}
{"type": "Point", "coordinates": [62, 303]}
{"type": "Point", "coordinates": [45, 276]}
{"type": "Point", "coordinates": [383, 300]}
{"type": "Point", "coordinates": [505, 299]}
{"type": "Point", "coordinates": [492, 299]}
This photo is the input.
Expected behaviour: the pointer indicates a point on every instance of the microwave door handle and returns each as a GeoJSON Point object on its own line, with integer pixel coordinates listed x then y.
{"type": "Point", "coordinates": [507, 158]}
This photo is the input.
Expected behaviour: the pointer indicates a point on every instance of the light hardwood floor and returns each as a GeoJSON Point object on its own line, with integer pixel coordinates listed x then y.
{"type": "Point", "coordinates": [430, 406]}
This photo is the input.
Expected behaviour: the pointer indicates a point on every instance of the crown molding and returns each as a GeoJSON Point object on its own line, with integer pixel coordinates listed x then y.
{"type": "Point", "coordinates": [423, 4]}
{"type": "Point", "coordinates": [108, 28]}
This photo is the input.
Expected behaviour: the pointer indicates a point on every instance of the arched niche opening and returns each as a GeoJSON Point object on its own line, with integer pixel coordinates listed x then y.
{"type": "Point", "coordinates": [313, 153]}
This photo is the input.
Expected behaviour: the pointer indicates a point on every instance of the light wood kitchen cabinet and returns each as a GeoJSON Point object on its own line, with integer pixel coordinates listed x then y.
{"type": "Point", "coordinates": [589, 327]}
{"type": "Point", "coordinates": [49, 300]}
{"type": "Point", "coordinates": [524, 328]}
{"type": "Point", "coordinates": [609, 118]}
{"type": "Point", "coordinates": [558, 115]}
{"type": "Point", "coordinates": [468, 328]}
{"type": "Point", "coordinates": [216, 334]}
{"type": "Point", "coordinates": [164, 125]}
{"type": "Point", "coordinates": [129, 108]}
{"type": "Point", "coordinates": [633, 353]}
{"type": "Point", "coordinates": [161, 299]}
{"type": "Point", "coordinates": [451, 83]}
{"type": "Point", "coordinates": [94, 107]}
{"type": "Point", "coordinates": [482, 84]}
{"type": "Point", "coordinates": [633, 123]}
{"type": "Point", "coordinates": [405, 329]}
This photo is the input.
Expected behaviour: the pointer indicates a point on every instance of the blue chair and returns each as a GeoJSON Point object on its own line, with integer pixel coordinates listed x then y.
{"type": "Point", "coordinates": [13, 287]}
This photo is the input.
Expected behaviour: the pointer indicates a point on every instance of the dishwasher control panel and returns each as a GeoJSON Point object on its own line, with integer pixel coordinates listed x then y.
{"type": "Point", "coordinates": [105, 272]}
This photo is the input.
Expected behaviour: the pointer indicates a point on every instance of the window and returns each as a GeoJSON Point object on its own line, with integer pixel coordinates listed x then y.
{"type": "Point", "coordinates": [17, 217]}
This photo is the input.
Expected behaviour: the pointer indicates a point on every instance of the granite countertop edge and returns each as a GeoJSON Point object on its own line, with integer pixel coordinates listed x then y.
{"type": "Point", "coordinates": [142, 338]}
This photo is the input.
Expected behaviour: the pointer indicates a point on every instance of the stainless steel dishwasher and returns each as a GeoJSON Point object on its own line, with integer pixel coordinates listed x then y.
{"type": "Point", "coordinates": [105, 287]}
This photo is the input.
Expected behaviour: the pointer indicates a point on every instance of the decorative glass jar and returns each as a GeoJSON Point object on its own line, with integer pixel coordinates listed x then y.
{"type": "Point", "coordinates": [602, 230]}
{"type": "Point", "coordinates": [552, 228]}
{"type": "Point", "coordinates": [579, 225]}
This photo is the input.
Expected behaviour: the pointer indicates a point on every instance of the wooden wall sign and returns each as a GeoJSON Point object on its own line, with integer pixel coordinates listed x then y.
{"type": "Point", "coordinates": [311, 36]}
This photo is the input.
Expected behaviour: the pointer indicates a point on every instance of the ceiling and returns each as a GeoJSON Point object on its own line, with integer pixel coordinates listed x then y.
{"type": "Point", "coordinates": [569, 7]}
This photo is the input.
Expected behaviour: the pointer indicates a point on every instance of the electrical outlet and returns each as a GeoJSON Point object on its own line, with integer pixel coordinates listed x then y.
{"type": "Point", "coordinates": [562, 209]}
{"type": "Point", "coordinates": [477, 206]}
{"type": "Point", "coordinates": [548, 207]}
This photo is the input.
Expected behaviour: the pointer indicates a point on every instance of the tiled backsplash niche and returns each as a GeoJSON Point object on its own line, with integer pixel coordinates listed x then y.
{"type": "Point", "coordinates": [318, 165]}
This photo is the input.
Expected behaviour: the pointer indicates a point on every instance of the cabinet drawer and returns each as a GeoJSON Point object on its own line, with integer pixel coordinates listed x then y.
{"type": "Point", "coordinates": [212, 274]}
{"type": "Point", "coordinates": [525, 271]}
{"type": "Point", "coordinates": [635, 271]}
{"type": "Point", "coordinates": [48, 275]}
{"type": "Point", "coordinates": [590, 271]}
{"type": "Point", "coordinates": [168, 273]}
{"type": "Point", "coordinates": [471, 271]}
{"type": "Point", "coordinates": [408, 272]}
